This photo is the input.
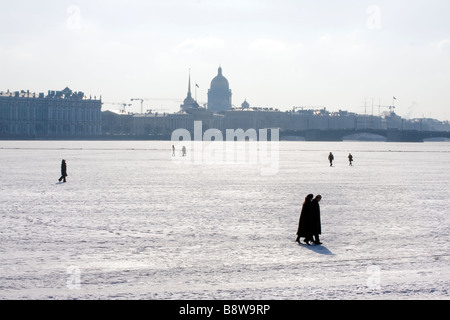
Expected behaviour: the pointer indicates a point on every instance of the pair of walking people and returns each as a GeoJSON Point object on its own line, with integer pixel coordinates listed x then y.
{"type": "Point", "coordinates": [309, 225]}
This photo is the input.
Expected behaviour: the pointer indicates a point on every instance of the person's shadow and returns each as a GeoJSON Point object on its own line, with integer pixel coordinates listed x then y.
{"type": "Point", "coordinates": [320, 249]}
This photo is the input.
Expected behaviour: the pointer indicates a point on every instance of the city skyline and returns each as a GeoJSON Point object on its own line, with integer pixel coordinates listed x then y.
{"type": "Point", "coordinates": [276, 54]}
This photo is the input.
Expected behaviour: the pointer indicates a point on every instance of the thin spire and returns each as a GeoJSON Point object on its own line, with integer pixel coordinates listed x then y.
{"type": "Point", "coordinates": [189, 85]}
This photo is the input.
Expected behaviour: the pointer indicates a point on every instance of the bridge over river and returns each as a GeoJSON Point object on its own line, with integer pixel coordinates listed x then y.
{"type": "Point", "coordinates": [389, 135]}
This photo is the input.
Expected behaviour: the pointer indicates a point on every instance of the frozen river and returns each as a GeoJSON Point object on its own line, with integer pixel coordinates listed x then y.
{"type": "Point", "coordinates": [134, 222]}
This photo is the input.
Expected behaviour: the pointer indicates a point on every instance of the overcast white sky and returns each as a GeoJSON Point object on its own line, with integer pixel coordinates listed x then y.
{"type": "Point", "coordinates": [281, 53]}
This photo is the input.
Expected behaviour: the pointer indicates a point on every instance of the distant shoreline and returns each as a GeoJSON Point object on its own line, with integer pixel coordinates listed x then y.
{"type": "Point", "coordinates": [391, 135]}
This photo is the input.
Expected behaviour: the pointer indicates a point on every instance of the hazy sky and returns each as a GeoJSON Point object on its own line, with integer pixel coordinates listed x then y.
{"type": "Point", "coordinates": [283, 53]}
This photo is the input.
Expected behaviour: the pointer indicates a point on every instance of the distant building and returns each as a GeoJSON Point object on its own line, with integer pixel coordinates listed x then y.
{"type": "Point", "coordinates": [59, 114]}
{"type": "Point", "coordinates": [219, 95]}
{"type": "Point", "coordinates": [116, 123]}
{"type": "Point", "coordinates": [245, 104]}
{"type": "Point", "coordinates": [164, 123]}
{"type": "Point", "coordinates": [393, 121]}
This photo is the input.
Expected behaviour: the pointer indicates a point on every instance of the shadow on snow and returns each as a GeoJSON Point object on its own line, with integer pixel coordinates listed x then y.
{"type": "Point", "coordinates": [318, 249]}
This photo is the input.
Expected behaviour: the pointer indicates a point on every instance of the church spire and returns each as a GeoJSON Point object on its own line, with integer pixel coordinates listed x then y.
{"type": "Point", "coordinates": [189, 102]}
{"type": "Point", "coordinates": [189, 85]}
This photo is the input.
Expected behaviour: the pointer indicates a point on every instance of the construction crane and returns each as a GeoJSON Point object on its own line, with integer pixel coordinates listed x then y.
{"type": "Point", "coordinates": [142, 103]}
{"type": "Point", "coordinates": [124, 105]}
{"type": "Point", "coordinates": [152, 99]}
{"type": "Point", "coordinates": [365, 107]}
{"type": "Point", "coordinates": [391, 108]}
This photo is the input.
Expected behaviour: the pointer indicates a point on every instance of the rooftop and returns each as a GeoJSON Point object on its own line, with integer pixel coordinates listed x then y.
{"type": "Point", "coordinates": [52, 94]}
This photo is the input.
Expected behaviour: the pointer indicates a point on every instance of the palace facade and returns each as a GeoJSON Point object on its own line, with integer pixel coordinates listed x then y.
{"type": "Point", "coordinates": [58, 114]}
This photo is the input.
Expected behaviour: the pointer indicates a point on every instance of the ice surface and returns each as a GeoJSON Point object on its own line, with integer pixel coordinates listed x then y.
{"type": "Point", "coordinates": [133, 222]}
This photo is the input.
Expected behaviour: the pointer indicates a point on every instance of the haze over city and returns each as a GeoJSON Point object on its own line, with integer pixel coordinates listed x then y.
{"type": "Point", "coordinates": [280, 54]}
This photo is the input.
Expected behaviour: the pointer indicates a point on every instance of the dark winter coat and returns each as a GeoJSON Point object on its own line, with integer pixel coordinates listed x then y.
{"type": "Point", "coordinates": [305, 221]}
{"type": "Point", "coordinates": [63, 169]}
{"type": "Point", "coordinates": [316, 225]}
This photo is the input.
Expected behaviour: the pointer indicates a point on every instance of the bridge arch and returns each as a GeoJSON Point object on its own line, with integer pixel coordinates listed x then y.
{"type": "Point", "coordinates": [364, 136]}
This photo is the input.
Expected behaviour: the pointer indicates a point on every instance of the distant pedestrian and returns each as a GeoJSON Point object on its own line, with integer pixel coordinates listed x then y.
{"type": "Point", "coordinates": [63, 171]}
{"type": "Point", "coordinates": [183, 150]}
{"type": "Point", "coordinates": [350, 159]}
{"type": "Point", "coordinates": [315, 219]}
{"type": "Point", "coordinates": [331, 158]}
{"type": "Point", "coordinates": [305, 221]}
{"type": "Point", "coordinates": [173, 151]}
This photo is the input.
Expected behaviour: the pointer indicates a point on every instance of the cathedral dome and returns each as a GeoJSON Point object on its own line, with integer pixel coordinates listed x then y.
{"type": "Point", "coordinates": [219, 96]}
{"type": "Point", "coordinates": [220, 82]}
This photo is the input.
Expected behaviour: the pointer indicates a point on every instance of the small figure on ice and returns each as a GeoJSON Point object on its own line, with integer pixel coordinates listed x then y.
{"type": "Point", "coordinates": [173, 151]}
{"type": "Point", "coordinates": [331, 158]}
{"type": "Point", "coordinates": [63, 171]}
{"type": "Point", "coordinates": [350, 159]}
{"type": "Point", "coordinates": [183, 150]}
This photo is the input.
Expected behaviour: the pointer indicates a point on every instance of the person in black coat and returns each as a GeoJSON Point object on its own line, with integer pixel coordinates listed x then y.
{"type": "Point", "coordinates": [63, 171]}
{"type": "Point", "coordinates": [315, 219]}
{"type": "Point", "coordinates": [331, 158]}
{"type": "Point", "coordinates": [304, 224]}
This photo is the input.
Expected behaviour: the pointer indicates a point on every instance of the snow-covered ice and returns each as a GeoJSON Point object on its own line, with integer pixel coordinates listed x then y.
{"type": "Point", "coordinates": [132, 222]}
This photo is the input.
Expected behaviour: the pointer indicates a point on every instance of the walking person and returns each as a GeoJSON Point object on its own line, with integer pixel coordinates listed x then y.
{"type": "Point", "coordinates": [63, 171]}
{"type": "Point", "coordinates": [350, 159]}
{"type": "Point", "coordinates": [331, 158]}
{"type": "Point", "coordinates": [304, 224]}
{"type": "Point", "coordinates": [173, 151]}
{"type": "Point", "coordinates": [315, 219]}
